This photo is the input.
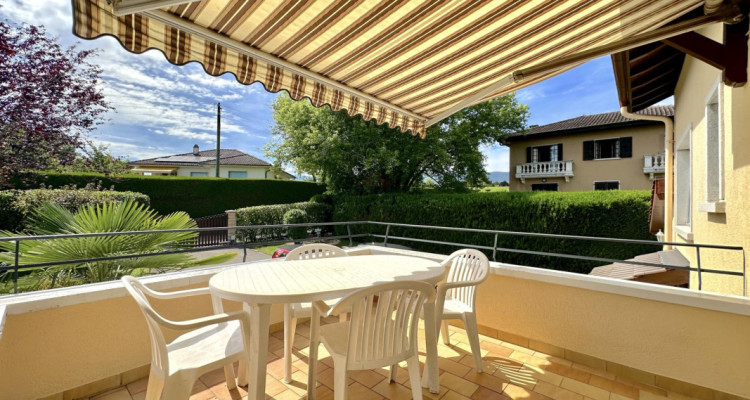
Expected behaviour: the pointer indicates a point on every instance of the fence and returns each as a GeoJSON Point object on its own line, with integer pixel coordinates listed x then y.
{"type": "Point", "coordinates": [212, 237]}
{"type": "Point", "coordinates": [492, 235]}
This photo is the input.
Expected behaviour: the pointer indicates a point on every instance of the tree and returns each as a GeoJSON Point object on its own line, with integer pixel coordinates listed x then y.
{"type": "Point", "coordinates": [353, 155]}
{"type": "Point", "coordinates": [49, 99]}
{"type": "Point", "coordinates": [98, 158]}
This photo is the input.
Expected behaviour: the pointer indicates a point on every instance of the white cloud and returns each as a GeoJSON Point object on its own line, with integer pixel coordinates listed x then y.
{"type": "Point", "coordinates": [497, 158]}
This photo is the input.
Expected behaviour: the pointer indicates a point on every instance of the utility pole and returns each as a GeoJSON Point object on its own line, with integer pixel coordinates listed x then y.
{"type": "Point", "coordinates": [218, 138]}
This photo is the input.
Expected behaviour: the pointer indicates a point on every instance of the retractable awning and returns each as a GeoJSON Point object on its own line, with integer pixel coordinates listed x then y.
{"type": "Point", "coordinates": [407, 63]}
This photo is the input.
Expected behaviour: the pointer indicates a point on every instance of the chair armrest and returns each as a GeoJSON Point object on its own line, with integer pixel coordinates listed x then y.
{"type": "Point", "coordinates": [177, 294]}
{"type": "Point", "coordinates": [321, 307]}
{"type": "Point", "coordinates": [196, 323]}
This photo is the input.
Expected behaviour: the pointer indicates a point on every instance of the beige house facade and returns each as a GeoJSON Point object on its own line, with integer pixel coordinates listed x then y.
{"type": "Point", "coordinates": [233, 164]}
{"type": "Point", "coordinates": [591, 152]}
{"type": "Point", "coordinates": [711, 157]}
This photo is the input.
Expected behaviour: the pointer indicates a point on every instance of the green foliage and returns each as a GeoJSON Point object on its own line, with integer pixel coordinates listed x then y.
{"type": "Point", "coordinates": [296, 216]}
{"type": "Point", "coordinates": [356, 156]}
{"type": "Point", "coordinates": [617, 214]}
{"type": "Point", "coordinates": [17, 205]}
{"type": "Point", "coordinates": [274, 215]}
{"type": "Point", "coordinates": [98, 159]}
{"type": "Point", "coordinates": [196, 196]}
{"type": "Point", "coordinates": [128, 215]}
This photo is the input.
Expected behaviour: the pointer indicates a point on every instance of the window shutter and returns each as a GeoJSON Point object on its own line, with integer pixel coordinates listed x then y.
{"type": "Point", "coordinates": [528, 154]}
{"type": "Point", "coordinates": [588, 150]}
{"type": "Point", "coordinates": [626, 147]}
{"type": "Point", "coordinates": [559, 152]}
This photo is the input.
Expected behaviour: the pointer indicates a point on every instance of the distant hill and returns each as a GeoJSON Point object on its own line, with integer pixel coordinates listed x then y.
{"type": "Point", "coordinates": [499, 176]}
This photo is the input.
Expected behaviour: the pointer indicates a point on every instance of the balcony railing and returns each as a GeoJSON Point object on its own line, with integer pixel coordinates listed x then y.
{"type": "Point", "coordinates": [545, 169]}
{"type": "Point", "coordinates": [654, 164]}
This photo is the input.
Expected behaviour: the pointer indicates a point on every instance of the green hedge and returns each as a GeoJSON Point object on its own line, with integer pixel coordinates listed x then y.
{"type": "Point", "coordinates": [618, 214]}
{"type": "Point", "coordinates": [274, 214]}
{"type": "Point", "coordinates": [17, 205]}
{"type": "Point", "coordinates": [196, 196]}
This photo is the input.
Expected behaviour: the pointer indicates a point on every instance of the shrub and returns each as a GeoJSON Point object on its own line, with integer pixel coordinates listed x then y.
{"type": "Point", "coordinates": [296, 216]}
{"type": "Point", "coordinates": [17, 205]}
{"type": "Point", "coordinates": [274, 215]}
{"type": "Point", "coordinates": [618, 214]}
{"type": "Point", "coordinates": [196, 196]}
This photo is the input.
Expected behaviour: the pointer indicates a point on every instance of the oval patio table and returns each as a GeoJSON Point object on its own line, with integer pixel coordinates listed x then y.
{"type": "Point", "coordinates": [259, 285]}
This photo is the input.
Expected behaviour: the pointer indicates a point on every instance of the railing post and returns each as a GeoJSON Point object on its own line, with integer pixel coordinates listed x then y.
{"type": "Point", "coordinates": [231, 222]}
{"type": "Point", "coordinates": [385, 239]}
{"type": "Point", "coordinates": [494, 249]}
{"type": "Point", "coordinates": [698, 257]}
{"type": "Point", "coordinates": [349, 232]}
{"type": "Point", "coordinates": [15, 268]}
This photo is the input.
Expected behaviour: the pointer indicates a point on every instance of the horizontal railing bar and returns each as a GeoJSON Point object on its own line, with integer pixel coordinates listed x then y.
{"type": "Point", "coordinates": [561, 255]}
{"type": "Point", "coordinates": [223, 228]}
{"type": "Point", "coordinates": [559, 236]}
{"type": "Point", "coordinates": [189, 250]}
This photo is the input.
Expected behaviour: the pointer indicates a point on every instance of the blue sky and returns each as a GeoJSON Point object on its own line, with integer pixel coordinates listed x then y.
{"type": "Point", "coordinates": [164, 109]}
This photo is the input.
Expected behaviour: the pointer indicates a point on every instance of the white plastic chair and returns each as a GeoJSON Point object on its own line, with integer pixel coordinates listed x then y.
{"type": "Point", "coordinates": [381, 331]}
{"type": "Point", "coordinates": [213, 341]}
{"type": "Point", "coordinates": [294, 311]}
{"type": "Point", "coordinates": [456, 297]}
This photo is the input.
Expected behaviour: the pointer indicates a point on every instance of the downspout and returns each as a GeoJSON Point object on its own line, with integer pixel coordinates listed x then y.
{"type": "Point", "coordinates": [668, 168]}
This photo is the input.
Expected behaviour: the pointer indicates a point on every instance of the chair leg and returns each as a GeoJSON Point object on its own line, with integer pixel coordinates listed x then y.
{"type": "Point", "coordinates": [394, 372]}
{"type": "Point", "coordinates": [155, 387]}
{"type": "Point", "coordinates": [445, 333]}
{"type": "Point", "coordinates": [416, 388]}
{"type": "Point", "coordinates": [340, 381]}
{"type": "Point", "coordinates": [178, 387]}
{"type": "Point", "coordinates": [229, 375]}
{"type": "Point", "coordinates": [470, 322]}
{"type": "Point", "coordinates": [312, 360]}
{"type": "Point", "coordinates": [290, 326]}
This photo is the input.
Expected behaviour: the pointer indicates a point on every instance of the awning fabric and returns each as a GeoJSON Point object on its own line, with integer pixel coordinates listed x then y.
{"type": "Point", "coordinates": [400, 62]}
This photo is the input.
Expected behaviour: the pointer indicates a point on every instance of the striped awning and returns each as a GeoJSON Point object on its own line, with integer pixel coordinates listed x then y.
{"type": "Point", "coordinates": [407, 63]}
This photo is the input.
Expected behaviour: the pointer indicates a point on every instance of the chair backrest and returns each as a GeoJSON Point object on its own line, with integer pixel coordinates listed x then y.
{"type": "Point", "coordinates": [467, 265]}
{"type": "Point", "coordinates": [315, 250]}
{"type": "Point", "coordinates": [159, 358]}
{"type": "Point", "coordinates": [383, 322]}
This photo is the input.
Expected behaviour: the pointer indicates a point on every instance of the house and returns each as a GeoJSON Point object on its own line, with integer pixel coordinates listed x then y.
{"type": "Point", "coordinates": [707, 147]}
{"type": "Point", "coordinates": [591, 152]}
{"type": "Point", "coordinates": [232, 164]}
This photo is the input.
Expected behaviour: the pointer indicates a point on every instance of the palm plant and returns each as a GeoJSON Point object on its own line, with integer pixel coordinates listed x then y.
{"type": "Point", "coordinates": [51, 219]}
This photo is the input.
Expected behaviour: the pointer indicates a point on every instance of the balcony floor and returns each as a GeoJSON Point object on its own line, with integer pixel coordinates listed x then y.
{"type": "Point", "coordinates": [511, 372]}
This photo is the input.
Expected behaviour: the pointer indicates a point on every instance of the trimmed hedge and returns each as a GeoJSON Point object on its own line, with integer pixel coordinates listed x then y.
{"type": "Point", "coordinates": [17, 205]}
{"type": "Point", "coordinates": [274, 215]}
{"type": "Point", "coordinates": [196, 196]}
{"type": "Point", "coordinates": [617, 214]}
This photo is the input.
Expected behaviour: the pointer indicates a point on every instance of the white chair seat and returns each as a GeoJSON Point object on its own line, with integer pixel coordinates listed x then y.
{"type": "Point", "coordinates": [335, 337]}
{"type": "Point", "coordinates": [208, 345]}
{"type": "Point", "coordinates": [453, 308]}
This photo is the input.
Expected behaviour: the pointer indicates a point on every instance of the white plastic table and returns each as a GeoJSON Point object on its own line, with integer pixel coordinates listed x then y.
{"type": "Point", "coordinates": [259, 285]}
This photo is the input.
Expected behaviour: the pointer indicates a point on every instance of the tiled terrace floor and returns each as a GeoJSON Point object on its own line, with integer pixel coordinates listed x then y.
{"type": "Point", "coordinates": [510, 372]}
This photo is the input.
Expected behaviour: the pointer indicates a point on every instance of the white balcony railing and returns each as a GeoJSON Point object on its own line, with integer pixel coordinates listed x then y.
{"type": "Point", "coordinates": [545, 169]}
{"type": "Point", "coordinates": [654, 164]}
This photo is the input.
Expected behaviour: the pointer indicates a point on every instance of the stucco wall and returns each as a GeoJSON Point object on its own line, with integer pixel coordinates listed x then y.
{"type": "Point", "coordinates": [696, 82]}
{"type": "Point", "coordinates": [648, 139]}
{"type": "Point", "coordinates": [252, 172]}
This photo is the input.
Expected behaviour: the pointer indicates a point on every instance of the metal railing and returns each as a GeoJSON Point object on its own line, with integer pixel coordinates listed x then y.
{"type": "Point", "coordinates": [245, 241]}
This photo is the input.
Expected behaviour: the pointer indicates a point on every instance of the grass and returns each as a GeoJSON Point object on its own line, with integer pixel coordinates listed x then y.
{"type": "Point", "coordinates": [491, 189]}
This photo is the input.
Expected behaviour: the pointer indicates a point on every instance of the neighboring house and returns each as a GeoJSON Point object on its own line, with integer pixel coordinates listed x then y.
{"type": "Point", "coordinates": [592, 152]}
{"type": "Point", "coordinates": [706, 72]}
{"type": "Point", "coordinates": [232, 164]}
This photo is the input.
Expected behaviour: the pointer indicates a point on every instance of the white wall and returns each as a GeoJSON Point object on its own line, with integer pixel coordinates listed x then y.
{"type": "Point", "coordinates": [252, 172]}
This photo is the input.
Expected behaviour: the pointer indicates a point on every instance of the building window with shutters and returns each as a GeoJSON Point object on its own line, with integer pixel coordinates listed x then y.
{"type": "Point", "coordinates": [546, 153]}
{"type": "Point", "coordinates": [607, 185]}
{"type": "Point", "coordinates": [608, 149]}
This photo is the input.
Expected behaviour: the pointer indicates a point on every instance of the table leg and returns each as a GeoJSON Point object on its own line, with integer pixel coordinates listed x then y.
{"type": "Point", "coordinates": [430, 374]}
{"type": "Point", "coordinates": [259, 320]}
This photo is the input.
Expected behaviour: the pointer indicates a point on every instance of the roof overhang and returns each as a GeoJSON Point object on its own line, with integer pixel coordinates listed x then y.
{"type": "Point", "coordinates": [407, 63]}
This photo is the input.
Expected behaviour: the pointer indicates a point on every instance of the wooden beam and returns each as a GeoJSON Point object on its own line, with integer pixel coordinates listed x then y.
{"type": "Point", "coordinates": [621, 67]}
{"type": "Point", "coordinates": [125, 7]}
{"type": "Point", "coordinates": [700, 47]}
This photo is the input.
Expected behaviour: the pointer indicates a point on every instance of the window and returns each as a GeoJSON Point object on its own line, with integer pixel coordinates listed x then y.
{"type": "Point", "coordinates": [683, 178]}
{"type": "Point", "coordinates": [608, 148]}
{"type": "Point", "coordinates": [607, 185]}
{"type": "Point", "coordinates": [198, 174]}
{"type": "Point", "coordinates": [543, 187]}
{"type": "Point", "coordinates": [238, 174]}
{"type": "Point", "coordinates": [544, 153]}
{"type": "Point", "coordinates": [714, 157]}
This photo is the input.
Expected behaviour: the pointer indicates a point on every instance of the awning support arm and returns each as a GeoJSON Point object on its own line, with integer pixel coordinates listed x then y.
{"type": "Point", "coordinates": [578, 58]}
{"type": "Point", "coordinates": [229, 43]}
{"type": "Point", "coordinates": [125, 7]}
